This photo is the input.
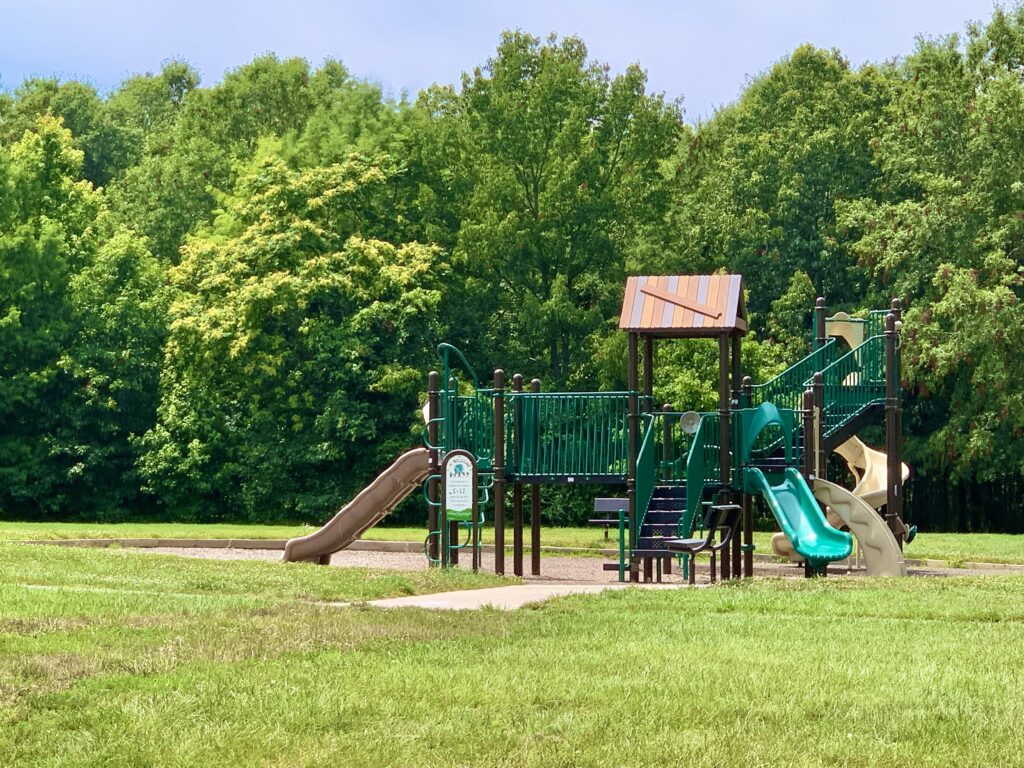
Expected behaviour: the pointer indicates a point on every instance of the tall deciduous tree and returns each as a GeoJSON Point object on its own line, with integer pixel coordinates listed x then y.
{"type": "Point", "coordinates": [297, 347]}
{"type": "Point", "coordinates": [555, 166]}
{"type": "Point", "coordinates": [759, 182]}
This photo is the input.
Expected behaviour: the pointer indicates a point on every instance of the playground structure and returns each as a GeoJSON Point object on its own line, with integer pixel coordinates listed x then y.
{"type": "Point", "coordinates": [679, 468]}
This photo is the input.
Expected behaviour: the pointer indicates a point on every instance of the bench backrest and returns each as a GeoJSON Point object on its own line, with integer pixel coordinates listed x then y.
{"type": "Point", "coordinates": [610, 505]}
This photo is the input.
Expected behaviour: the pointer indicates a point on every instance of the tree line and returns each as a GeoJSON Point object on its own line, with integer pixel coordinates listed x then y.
{"type": "Point", "coordinates": [220, 303]}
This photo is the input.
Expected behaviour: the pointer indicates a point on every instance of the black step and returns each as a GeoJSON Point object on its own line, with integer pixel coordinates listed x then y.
{"type": "Point", "coordinates": [667, 504]}
{"type": "Point", "coordinates": [651, 552]}
{"type": "Point", "coordinates": [670, 492]}
{"type": "Point", "coordinates": [654, 542]}
{"type": "Point", "coordinates": [663, 515]}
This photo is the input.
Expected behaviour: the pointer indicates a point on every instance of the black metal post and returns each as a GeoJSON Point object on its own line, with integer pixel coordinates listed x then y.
{"type": "Point", "coordinates": [517, 487]}
{"type": "Point", "coordinates": [535, 512]}
{"type": "Point", "coordinates": [893, 430]}
{"type": "Point", "coordinates": [499, 472]}
{"type": "Point", "coordinates": [820, 337]}
{"type": "Point", "coordinates": [820, 457]}
{"type": "Point", "coordinates": [648, 403]}
{"type": "Point", "coordinates": [666, 442]}
{"type": "Point", "coordinates": [633, 420]}
{"type": "Point", "coordinates": [723, 409]}
{"type": "Point", "coordinates": [807, 455]}
{"type": "Point", "coordinates": [737, 388]}
{"type": "Point", "coordinates": [747, 501]}
{"type": "Point", "coordinates": [748, 535]}
{"type": "Point", "coordinates": [450, 554]}
{"type": "Point", "coordinates": [433, 484]}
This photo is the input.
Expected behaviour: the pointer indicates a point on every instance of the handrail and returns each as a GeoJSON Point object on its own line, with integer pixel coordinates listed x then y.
{"type": "Point", "coordinates": [701, 468]}
{"type": "Point", "coordinates": [788, 387]}
{"type": "Point", "coordinates": [645, 478]}
{"type": "Point", "coordinates": [443, 349]}
{"type": "Point", "coordinates": [853, 382]}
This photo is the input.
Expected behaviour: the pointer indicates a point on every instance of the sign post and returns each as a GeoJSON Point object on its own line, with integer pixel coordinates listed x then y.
{"type": "Point", "coordinates": [458, 478]}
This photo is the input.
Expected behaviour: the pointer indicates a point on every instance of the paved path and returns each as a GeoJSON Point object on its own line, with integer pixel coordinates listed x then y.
{"type": "Point", "coordinates": [503, 598]}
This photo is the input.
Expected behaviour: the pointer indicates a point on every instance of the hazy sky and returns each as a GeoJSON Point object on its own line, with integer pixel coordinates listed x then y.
{"type": "Point", "coordinates": [703, 51]}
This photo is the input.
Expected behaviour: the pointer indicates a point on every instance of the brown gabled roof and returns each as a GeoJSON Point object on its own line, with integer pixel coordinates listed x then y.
{"type": "Point", "coordinates": [684, 305]}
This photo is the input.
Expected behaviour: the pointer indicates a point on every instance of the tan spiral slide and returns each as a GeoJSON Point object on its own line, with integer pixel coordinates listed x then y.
{"type": "Point", "coordinates": [857, 510]}
{"type": "Point", "coordinates": [367, 509]}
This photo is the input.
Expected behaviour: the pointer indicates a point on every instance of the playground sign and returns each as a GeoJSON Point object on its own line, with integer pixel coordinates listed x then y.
{"type": "Point", "coordinates": [459, 504]}
{"type": "Point", "coordinates": [459, 485]}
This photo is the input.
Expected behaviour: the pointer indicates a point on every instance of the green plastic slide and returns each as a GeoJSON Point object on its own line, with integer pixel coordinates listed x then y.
{"type": "Point", "coordinates": [801, 519]}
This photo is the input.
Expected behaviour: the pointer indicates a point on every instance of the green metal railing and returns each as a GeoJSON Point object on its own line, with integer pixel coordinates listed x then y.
{"type": "Point", "coordinates": [558, 435]}
{"type": "Point", "coordinates": [645, 479]}
{"type": "Point", "coordinates": [702, 469]}
{"type": "Point", "coordinates": [661, 460]}
{"type": "Point", "coordinates": [853, 382]}
{"type": "Point", "coordinates": [467, 422]}
{"type": "Point", "coordinates": [874, 323]}
{"type": "Point", "coordinates": [786, 390]}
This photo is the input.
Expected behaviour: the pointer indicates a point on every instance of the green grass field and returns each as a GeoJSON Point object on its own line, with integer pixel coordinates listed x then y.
{"type": "Point", "coordinates": [118, 658]}
{"type": "Point", "coordinates": [954, 548]}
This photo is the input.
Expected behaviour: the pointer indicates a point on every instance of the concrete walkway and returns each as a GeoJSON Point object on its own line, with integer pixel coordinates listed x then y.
{"type": "Point", "coordinates": [503, 598]}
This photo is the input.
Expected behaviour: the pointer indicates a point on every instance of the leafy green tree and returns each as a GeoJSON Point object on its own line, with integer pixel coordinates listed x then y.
{"type": "Point", "coordinates": [48, 232]}
{"type": "Point", "coordinates": [197, 139]}
{"type": "Point", "coordinates": [104, 142]}
{"type": "Point", "coordinates": [111, 366]}
{"type": "Point", "coordinates": [297, 347]}
{"type": "Point", "coordinates": [553, 164]}
{"type": "Point", "coordinates": [758, 183]}
{"type": "Point", "coordinates": [946, 234]}
{"type": "Point", "coordinates": [148, 107]}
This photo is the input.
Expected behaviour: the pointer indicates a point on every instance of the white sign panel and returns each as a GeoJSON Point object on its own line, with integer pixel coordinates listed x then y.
{"type": "Point", "coordinates": [458, 484]}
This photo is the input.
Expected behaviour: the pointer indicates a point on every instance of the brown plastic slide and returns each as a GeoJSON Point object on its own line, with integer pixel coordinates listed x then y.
{"type": "Point", "coordinates": [367, 509]}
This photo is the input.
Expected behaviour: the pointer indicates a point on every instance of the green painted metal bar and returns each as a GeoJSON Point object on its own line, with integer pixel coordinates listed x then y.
{"type": "Point", "coordinates": [853, 382]}
{"type": "Point", "coordinates": [562, 435]}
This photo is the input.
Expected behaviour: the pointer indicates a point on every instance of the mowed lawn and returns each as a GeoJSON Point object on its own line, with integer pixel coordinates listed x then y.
{"type": "Point", "coordinates": [954, 548]}
{"type": "Point", "coordinates": [118, 658]}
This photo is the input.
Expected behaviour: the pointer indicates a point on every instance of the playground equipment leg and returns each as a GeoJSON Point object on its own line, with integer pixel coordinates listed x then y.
{"type": "Point", "coordinates": [633, 423]}
{"type": "Point", "coordinates": [453, 536]}
{"type": "Point", "coordinates": [433, 485]}
{"type": "Point", "coordinates": [622, 545]}
{"type": "Point", "coordinates": [476, 541]}
{"type": "Point", "coordinates": [517, 488]}
{"type": "Point", "coordinates": [535, 530]}
{"type": "Point", "coordinates": [726, 563]}
{"type": "Point", "coordinates": [647, 569]}
{"type": "Point", "coordinates": [499, 472]}
{"type": "Point", "coordinates": [748, 536]}
{"type": "Point", "coordinates": [535, 513]}
{"type": "Point", "coordinates": [517, 529]}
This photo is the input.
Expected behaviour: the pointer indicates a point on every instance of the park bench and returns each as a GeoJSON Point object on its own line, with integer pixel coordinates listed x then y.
{"type": "Point", "coordinates": [719, 517]}
{"type": "Point", "coordinates": [608, 507]}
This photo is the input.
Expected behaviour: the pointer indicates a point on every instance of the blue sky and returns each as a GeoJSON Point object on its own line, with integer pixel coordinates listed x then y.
{"type": "Point", "coordinates": [702, 51]}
